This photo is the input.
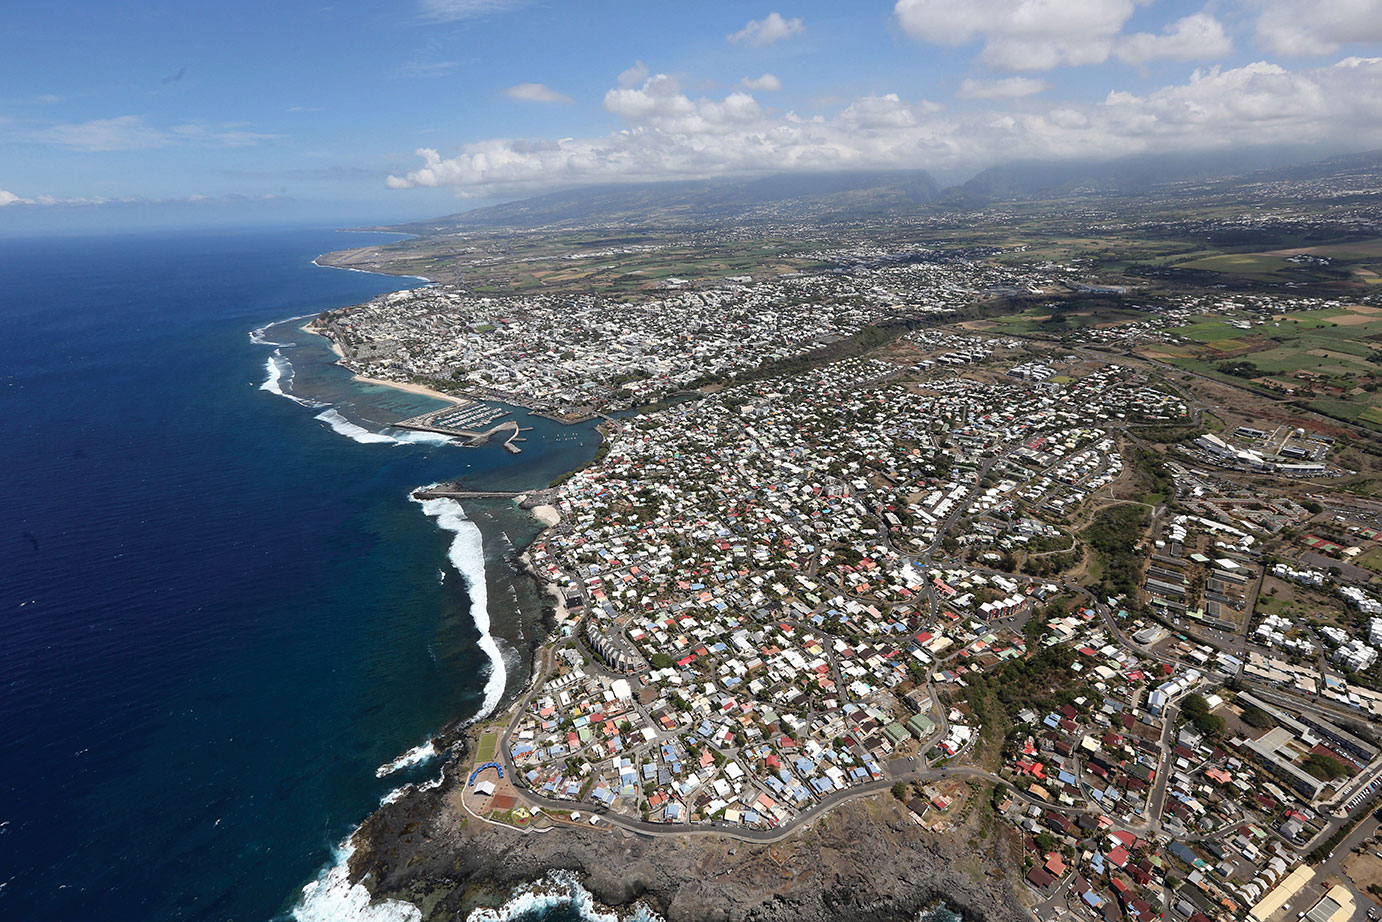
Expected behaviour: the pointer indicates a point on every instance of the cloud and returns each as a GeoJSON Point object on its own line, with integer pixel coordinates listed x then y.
{"type": "Point", "coordinates": [771, 28]}
{"type": "Point", "coordinates": [668, 134]}
{"type": "Point", "coordinates": [456, 10]}
{"type": "Point", "coordinates": [634, 75]}
{"type": "Point", "coordinates": [535, 92]}
{"type": "Point", "coordinates": [764, 84]}
{"type": "Point", "coordinates": [133, 132]}
{"type": "Point", "coordinates": [1009, 88]}
{"type": "Point", "coordinates": [218, 135]}
{"type": "Point", "coordinates": [1195, 38]}
{"type": "Point", "coordinates": [124, 132]}
{"type": "Point", "coordinates": [1318, 27]}
{"type": "Point", "coordinates": [428, 68]}
{"type": "Point", "coordinates": [1020, 34]}
{"type": "Point", "coordinates": [9, 199]}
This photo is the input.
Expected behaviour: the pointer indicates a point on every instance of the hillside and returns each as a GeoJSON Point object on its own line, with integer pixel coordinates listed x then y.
{"type": "Point", "coordinates": [799, 196]}
{"type": "Point", "coordinates": [871, 195]}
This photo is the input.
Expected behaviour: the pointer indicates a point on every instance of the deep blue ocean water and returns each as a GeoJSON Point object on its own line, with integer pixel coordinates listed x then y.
{"type": "Point", "coordinates": [218, 616]}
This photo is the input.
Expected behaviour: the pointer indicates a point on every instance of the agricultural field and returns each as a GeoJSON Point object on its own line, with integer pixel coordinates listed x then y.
{"type": "Point", "coordinates": [1045, 321]}
{"type": "Point", "coordinates": [1356, 262]}
{"type": "Point", "coordinates": [1256, 264]}
{"type": "Point", "coordinates": [1331, 358]}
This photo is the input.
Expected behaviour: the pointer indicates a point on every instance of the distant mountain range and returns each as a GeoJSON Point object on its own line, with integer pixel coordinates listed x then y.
{"type": "Point", "coordinates": [861, 195]}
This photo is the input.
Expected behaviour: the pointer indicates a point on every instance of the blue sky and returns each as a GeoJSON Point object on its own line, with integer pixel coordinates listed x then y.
{"type": "Point", "coordinates": [389, 110]}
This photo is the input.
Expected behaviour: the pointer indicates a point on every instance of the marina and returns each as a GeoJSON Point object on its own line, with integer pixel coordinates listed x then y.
{"type": "Point", "coordinates": [473, 422]}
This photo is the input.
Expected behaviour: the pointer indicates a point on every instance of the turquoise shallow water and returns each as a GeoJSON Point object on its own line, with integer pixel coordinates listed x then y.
{"type": "Point", "coordinates": [220, 615]}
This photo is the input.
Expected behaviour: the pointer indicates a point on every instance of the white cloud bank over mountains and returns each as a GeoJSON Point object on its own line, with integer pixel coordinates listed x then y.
{"type": "Point", "coordinates": [668, 134]}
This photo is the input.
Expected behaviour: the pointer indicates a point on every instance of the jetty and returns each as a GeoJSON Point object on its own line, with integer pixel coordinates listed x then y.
{"type": "Point", "coordinates": [450, 491]}
{"type": "Point", "coordinates": [467, 422]}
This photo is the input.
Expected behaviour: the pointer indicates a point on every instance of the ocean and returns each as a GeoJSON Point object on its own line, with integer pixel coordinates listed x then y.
{"type": "Point", "coordinates": [223, 616]}
{"type": "Point", "coordinates": [228, 631]}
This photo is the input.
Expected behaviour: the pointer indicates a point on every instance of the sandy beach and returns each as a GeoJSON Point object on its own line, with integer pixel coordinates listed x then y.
{"type": "Point", "coordinates": [413, 389]}
{"type": "Point", "coordinates": [547, 515]}
{"type": "Point", "coordinates": [400, 385]}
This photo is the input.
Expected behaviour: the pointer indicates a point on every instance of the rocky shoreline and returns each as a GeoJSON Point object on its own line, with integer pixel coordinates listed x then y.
{"type": "Point", "coordinates": [865, 861]}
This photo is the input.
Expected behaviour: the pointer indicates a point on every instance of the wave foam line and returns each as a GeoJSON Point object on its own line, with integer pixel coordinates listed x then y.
{"type": "Point", "coordinates": [275, 369]}
{"type": "Point", "coordinates": [342, 426]}
{"type": "Point", "coordinates": [416, 437]}
{"type": "Point", "coordinates": [389, 436]}
{"type": "Point", "coordinates": [415, 756]}
{"type": "Point", "coordinates": [257, 335]}
{"type": "Point", "coordinates": [420, 278]}
{"type": "Point", "coordinates": [333, 898]}
{"type": "Point", "coordinates": [558, 889]}
{"type": "Point", "coordinates": [467, 555]}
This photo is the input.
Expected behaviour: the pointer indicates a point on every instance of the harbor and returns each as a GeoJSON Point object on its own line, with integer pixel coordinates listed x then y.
{"type": "Point", "coordinates": [472, 422]}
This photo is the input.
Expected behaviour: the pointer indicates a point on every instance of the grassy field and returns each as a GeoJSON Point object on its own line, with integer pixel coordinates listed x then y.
{"type": "Point", "coordinates": [1042, 321]}
{"type": "Point", "coordinates": [1372, 560]}
{"type": "Point", "coordinates": [1239, 264]}
{"type": "Point", "coordinates": [485, 748]}
{"type": "Point", "coordinates": [1209, 330]}
{"type": "Point", "coordinates": [1325, 356]}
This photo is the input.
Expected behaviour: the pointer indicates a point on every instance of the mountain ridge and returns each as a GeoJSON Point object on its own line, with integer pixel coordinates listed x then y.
{"type": "Point", "coordinates": [855, 195]}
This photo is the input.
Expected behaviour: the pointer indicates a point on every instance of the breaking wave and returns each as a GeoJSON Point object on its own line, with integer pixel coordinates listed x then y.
{"type": "Point", "coordinates": [560, 889]}
{"type": "Point", "coordinates": [357, 433]}
{"type": "Point", "coordinates": [467, 555]}
{"type": "Point", "coordinates": [421, 278]}
{"type": "Point", "coordinates": [415, 756]}
{"type": "Point", "coordinates": [276, 369]}
{"type": "Point", "coordinates": [333, 898]}
{"type": "Point", "coordinates": [258, 337]}
{"type": "Point", "coordinates": [342, 426]}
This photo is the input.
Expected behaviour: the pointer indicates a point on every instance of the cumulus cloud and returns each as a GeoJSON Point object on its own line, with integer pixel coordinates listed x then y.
{"type": "Point", "coordinates": [1009, 88]}
{"type": "Point", "coordinates": [771, 28]}
{"type": "Point", "coordinates": [764, 84]}
{"type": "Point", "coordinates": [1020, 34]}
{"type": "Point", "coordinates": [9, 198]}
{"type": "Point", "coordinates": [1195, 38]}
{"type": "Point", "coordinates": [535, 92]}
{"type": "Point", "coordinates": [668, 134]}
{"type": "Point", "coordinates": [1318, 27]}
{"type": "Point", "coordinates": [634, 75]}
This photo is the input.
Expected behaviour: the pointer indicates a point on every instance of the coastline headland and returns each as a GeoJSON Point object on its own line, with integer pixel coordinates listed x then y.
{"type": "Point", "coordinates": [865, 860]}
{"type": "Point", "coordinates": [860, 857]}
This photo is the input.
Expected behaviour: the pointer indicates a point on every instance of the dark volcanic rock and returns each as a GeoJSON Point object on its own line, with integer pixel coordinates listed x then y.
{"type": "Point", "coordinates": [865, 861]}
